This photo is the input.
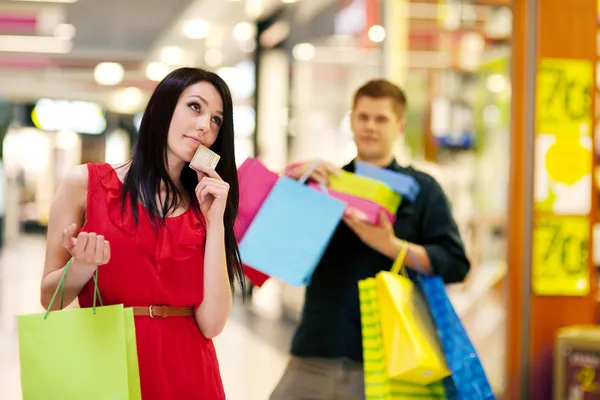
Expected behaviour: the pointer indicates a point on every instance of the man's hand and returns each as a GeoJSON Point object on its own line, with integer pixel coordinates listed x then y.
{"type": "Point", "coordinates": [380, 237]}
{"type": "Point", "coordinates": [319, 174]}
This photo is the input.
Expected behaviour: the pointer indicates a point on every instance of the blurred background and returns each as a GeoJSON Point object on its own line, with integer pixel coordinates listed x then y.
{"type": "Point", "coordinates": [75, 76]}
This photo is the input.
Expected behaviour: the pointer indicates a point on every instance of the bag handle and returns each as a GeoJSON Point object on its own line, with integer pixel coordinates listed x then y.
{"type": "Point", "coordinates": [309, 171]}
{"type": "Point", "coordinates": [398, 267]}
{"type": "Point", "coordinates": [307, 174]}
{"type": "Point", "coordinates": [61, 287]}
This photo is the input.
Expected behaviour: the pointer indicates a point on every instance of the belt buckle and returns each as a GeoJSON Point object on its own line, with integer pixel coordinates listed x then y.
{"type": "Point", "coordinates": [151, 313]}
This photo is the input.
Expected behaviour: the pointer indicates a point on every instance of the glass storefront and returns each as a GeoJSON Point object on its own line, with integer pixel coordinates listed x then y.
{"type": "Point", "coordinates": [457, 79]}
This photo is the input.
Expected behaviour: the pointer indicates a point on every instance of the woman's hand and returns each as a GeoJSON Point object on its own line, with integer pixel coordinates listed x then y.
{"type": "Point", "coordinates": [211, 193]}
{"type": "Point", "coordinates": [88, 249]}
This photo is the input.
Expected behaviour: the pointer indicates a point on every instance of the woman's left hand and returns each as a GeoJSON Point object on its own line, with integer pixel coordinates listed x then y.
{"type": "Point", "coordinates": [211, 193]}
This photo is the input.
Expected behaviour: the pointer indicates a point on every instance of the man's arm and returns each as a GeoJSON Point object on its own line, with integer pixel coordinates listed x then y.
{"type": "Point", "coordinates": [442, 251]}
{"type": "Point", "coordinates": [441, 239]}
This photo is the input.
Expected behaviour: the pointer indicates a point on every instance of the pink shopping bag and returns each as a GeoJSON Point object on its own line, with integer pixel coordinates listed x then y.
{"type": "Point", "coordinates": [255, 182]}
{"type": "Point", "coordinates": [368, 210]}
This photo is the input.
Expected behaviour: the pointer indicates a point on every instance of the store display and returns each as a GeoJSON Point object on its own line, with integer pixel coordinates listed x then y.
{"type": "Point", "coordinates": [577, 363]}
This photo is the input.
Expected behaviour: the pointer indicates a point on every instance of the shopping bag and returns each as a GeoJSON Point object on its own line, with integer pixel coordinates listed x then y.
{"type": "Point", "coordinates": [255, 184]}
{"type": "Point", "coordinates": [366, 188]}
{"type": "Point", "coordinates": [87, 353]}
{"type": "Point", "coordinates": [378, 385]}
{"type": "Point", "coordinates": [291, 231]}
{"type": "Point", "coordinates": [368, 211]}
{"type": "Point", "coordinates": [468, 378]}
{"type": "Point", "coordinates": [413, 350]}
{"type": "Point", "coordinates": [401, 183]}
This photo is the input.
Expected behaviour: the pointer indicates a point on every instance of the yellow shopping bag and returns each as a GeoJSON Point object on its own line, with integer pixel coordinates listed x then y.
{"type": "Point", "coordinates": [378, 385]}
{"type": "Point", "coordinates": [366, 188]}
{"type": "Point", "coordinates": [413, 351]}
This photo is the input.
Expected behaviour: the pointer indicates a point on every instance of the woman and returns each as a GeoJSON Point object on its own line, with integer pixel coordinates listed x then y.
{"type": "Point", "coordinates": [162, 234]}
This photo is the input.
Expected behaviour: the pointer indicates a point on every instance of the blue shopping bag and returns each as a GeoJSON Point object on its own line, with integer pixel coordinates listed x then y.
{"type": "Point", "coordinates": [400, 183]}
{"type": "Point", "coordinates": [291, 231]}
{"type": "Point", "coordinates": [468, 380]}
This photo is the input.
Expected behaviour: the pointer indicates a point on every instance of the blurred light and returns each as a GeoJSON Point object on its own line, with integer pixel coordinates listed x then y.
{"type": "Point", "coordinates": [472, 46]}
{"type": "Point", "coordinates": [34, 44]}
{"type": "Point", "coordinates": [33, 158]}
{"type": "Point", "coordinates": [248, 46]}
{"type": "Point", "coordinates": [127, 100]}
{"type": "Point", "coordinates": [239, 79]}
{"type": "Point", "coordinates": [289, 1]}
{"type": "Point", "coordinates": [244, 31]}
{"type": "Point", "coordinates": [377, 33]}
{"type": "Point", "coordinates": [304, 51]}
{"type": "Point", "coordinates": [64, 31]}
{"type": "Point", "coordinates": [67, 139]}
{"type": "Point", "coordinates": [253, 8]}
{"type": "Point", "coordinates": [117, 147]}
{"type": "Point", "coordinates": [109, 73]}
{"type": "Point", "coordinates": [244, 120]}
{"type": "Point", "coordinates": [496, 83]}
{"type": "Point", "coordinates": [213, 57]}
{"type": "Point", "coordinates": [171, 55]}
{"type": "Point", "coordinates": [156, 71]}
{"type": "Point", "coordinates": [491, 116]}
{"type": "Point", "coordinates": [196, 29]}
{"type": "Point", "coordinates": [49, 1]}
{"type": "Point", "coordinates": [79, 116]}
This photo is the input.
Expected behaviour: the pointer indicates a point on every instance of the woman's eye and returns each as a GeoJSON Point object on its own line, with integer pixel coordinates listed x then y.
{"type": "Point", "coordinates": [217, 121]}
{"type": "Point", "coordinates": [195, 106]}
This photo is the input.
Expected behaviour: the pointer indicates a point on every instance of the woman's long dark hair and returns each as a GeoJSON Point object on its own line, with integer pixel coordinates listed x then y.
{"type": "Point", "coordinates": [148, 165]}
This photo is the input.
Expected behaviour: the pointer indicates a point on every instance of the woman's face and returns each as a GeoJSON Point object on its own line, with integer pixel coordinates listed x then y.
{"type": "Point", "coordinates": [197, 119]}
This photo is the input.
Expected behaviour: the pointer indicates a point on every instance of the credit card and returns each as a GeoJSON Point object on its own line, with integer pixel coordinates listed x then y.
{"type": "Point", "coordinates": [205, 157]}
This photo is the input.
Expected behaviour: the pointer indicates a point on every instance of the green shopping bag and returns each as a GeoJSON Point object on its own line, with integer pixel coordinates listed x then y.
{"type": "Point", "coordinates": [79, 354]}
{"type": "Point", "coordinates": [378, 385]}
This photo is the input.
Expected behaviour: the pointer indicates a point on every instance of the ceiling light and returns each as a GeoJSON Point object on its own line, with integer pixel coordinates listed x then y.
{"type": "Point", "coordinates": [244, 31]}
{"type": "Point", "coordinates": [213, 57]}
{"type": "Point", "coordinates": [128, 100]}
{"type": "Point", "coordinates": [156, 71]}
{"type": "Point", "coordinates": [34, 44]}
{"type": "Point", "coordinates": [64, 31]}
{"type": "Point", "coordinates": [304, 51]}
{"type": "Point", "coordinates": [196, 29]}
{"type": "Point", "coordinates": [171, 55]}
{"type": "Point", "coordinates": [289, 1]}
{"type": "Point", "coordinates": [377, 33]}
{"type": "Point", "coordinates": [109, 73]}
{"type": "Point", "coordinates": [50, 1]}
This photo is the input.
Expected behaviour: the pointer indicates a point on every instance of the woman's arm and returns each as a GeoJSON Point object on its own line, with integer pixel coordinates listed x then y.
{"type": "Point", "coordinates": [212, 314]}
{"type": "Point", "coordinates": [67, 209]}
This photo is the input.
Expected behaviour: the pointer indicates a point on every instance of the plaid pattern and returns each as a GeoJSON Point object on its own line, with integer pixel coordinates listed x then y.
{"type": "Point", "coordinates": [377, 384]}
{"type": "Point", "coordinates": [468, 380]}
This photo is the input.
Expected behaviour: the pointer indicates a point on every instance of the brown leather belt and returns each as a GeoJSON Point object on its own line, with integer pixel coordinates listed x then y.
{"type": "Point", "coordinates": [163, 311]}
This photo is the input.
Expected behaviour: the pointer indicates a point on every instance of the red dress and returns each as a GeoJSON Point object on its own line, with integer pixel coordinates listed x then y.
{"type": "Point", "coordinates": [149, 267]}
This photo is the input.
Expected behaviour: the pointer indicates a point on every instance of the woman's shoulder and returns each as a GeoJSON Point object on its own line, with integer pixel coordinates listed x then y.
{"type": "Point", "coordinates": [80, 176]}
{"type": "Point", "coordinates": [77, 177]}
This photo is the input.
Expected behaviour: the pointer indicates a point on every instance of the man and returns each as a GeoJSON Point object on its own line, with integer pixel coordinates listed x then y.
{"type": "Point", "coordinates": [326, 361]}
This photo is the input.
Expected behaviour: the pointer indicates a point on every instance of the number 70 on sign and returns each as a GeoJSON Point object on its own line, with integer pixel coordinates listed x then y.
{"type": "Point", "coordinates": [560, 256]}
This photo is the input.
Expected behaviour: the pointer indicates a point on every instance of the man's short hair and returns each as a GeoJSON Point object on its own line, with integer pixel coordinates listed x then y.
{"type": "Point", "coordinates": [382, 88]}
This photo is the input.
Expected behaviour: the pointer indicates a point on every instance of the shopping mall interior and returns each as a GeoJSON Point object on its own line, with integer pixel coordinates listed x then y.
{"type": "Point", "coordinates": [492, 87]}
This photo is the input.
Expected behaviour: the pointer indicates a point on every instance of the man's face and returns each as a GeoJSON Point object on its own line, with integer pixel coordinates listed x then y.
{"type": "Point", "coordinates": [376, 127]}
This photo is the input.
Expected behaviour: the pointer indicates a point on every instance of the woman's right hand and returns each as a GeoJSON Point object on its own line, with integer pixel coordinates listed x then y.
{"type": "Point", "coordinates": [320, 174]}
{"type": "Point", "coordinates": [88, 249]}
